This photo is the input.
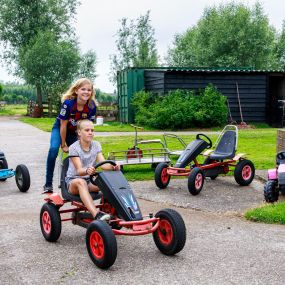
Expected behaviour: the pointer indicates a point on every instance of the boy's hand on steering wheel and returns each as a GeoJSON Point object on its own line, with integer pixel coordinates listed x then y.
{"type": "Point", "coordinates": [90, 170]}
{"type": "Point", "coordinates": [116, 167]}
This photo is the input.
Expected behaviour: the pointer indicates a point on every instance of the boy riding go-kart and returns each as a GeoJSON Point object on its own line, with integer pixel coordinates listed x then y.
{"type": "Point", "coordinates": [218, 161]}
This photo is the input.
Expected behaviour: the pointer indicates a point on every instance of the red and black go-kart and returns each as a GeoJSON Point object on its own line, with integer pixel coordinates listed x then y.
{"type": "Point", "coordinates": [218, 161]}
{"type": "Point", "coordinates": [117, 198]}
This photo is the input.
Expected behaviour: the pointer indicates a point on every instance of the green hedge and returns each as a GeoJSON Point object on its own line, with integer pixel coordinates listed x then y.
{"type": "Point", "coordinates": [181, 109]}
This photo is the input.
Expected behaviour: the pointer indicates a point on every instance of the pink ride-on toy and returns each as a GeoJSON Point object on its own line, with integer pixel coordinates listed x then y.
{"type": "Point", "coordinates": [276, 179]}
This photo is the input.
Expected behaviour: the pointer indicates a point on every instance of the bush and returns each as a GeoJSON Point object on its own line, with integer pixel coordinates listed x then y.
{"type": "Point", "coordinates": [181, 109]}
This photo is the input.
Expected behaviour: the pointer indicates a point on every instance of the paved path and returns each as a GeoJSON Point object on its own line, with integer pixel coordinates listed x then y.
{"type": "Point", "coordinates": [222, 247]}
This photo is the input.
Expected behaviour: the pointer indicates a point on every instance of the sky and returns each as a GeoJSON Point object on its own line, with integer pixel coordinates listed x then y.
{"type": "Point", "coordinates": [98, 21]}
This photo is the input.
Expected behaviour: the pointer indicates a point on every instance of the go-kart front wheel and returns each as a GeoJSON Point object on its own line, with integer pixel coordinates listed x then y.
{"type": "Point", "coordinates": [101, 244]}
{"type": "Point", "coordinates": [244, 172]}
{"type": "Point", "coordinates": [271, 192]}
{"type": "Point", "coordinates": [3, 165]}
{"type": "Point", "coordinates": [196, 181]}
{"type": "Point", "coordinates": [50, 222]}
{"type": "Point", "coordinates": [170, 236]}
{"type": "Point", "coordinates": [22, 178]}
{"type": "Point", "coordinates": [161, 176]}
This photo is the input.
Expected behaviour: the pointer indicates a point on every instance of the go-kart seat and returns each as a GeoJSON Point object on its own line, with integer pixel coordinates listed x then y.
{"type": "Point", "coordinates": [65, 194]}
{"type": "Point", "coordinates": [226, 147]}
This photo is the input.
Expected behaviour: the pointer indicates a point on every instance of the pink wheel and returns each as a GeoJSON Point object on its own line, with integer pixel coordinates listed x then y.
{"type": "Point", "coordinates": [244, 172]}
{"type": "Point", "coordinates": [165, 232]}
{"type": "Point", "coordinates": [196, 181]}
{"type": "Point", "coordinates": [46, 222]}
{"type": "Point", "coordinates": [96, 245]}
{"type": "Point", "coordinates": [161, 176]}
{"type": "Point", "coordinates": [101, 244]}
{"type": "Point", "coordinates": [50, 222]}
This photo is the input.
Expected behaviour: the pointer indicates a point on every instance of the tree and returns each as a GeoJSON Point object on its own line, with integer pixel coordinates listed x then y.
{"type": "Point", "coordinates": [49, 64]}
{"type": "Point", "coordinates": [23, 21]}
{"type": "Point", "coordinates": [136, 45]}
{"type": "Point", "coordinates": [281, 48]}
{"type": "Point", "coordinates": [230, 35]}
{"type": "Point", "coordinates": [87, 67]}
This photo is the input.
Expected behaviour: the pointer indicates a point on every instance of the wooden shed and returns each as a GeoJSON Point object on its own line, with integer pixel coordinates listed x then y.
{"type": "Point", "coordinates": [259, 92]}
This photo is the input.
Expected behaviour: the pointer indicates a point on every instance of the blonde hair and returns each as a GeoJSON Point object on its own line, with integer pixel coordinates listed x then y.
{"type": "Point", "coordinates": [80, 124]}
{"type": "Point", "coordinates": [71, 92]}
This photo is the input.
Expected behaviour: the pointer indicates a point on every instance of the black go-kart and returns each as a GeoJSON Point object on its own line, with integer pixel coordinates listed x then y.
{"type": "Point", "coordinates": [218, 161]}
{"type": "Point", "coordinates": [117, 199]}
{"type": "Point", "coordinates": [21, 173]}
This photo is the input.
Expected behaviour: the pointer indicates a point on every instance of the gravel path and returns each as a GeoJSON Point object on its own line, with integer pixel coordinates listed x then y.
{"type": "Point", "coordinates": [222, 247]}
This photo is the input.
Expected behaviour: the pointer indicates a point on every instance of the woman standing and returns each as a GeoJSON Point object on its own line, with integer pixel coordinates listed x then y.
{"type": "Point", "coordinates": [77, 103]}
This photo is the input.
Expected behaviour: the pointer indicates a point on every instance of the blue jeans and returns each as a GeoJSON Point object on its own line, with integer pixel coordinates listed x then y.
{"type": "Point", "coordinates": [55, 142]}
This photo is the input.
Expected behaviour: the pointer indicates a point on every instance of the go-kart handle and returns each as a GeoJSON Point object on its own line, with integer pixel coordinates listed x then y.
{"type": "Point", "coordinates": [209, 142]}
{"type": "Point", "coordinates": [281, 155]}
{"type": "Point", "coordinates": [104, 162]}
{"type": "Point", "coordinates": [92, 176]}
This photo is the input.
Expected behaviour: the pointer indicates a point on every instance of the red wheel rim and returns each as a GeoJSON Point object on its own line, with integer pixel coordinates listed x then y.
{"type": "Point", "coordinates": [198, 180]}
{"type": "Point", "coordinates": [165, 232]}
{"type": "Point", "coordinates": [246, 172]}
{"type": "Point", "coordinates": [164, 176]}
{"type": "Point", "coordinates": [46, 222]}
{"type": "Point", "coordinates": [97, 245]}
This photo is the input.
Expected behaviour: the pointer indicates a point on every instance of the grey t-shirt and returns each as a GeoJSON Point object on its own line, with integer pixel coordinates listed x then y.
{"type": "Point", "coordinates": [88, 158]}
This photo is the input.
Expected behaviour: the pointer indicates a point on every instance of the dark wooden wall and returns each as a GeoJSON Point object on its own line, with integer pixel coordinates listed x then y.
{"type": "Point", "coordinates": [252, 89]}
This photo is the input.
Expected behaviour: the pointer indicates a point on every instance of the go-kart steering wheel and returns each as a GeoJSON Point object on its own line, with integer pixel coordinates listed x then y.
{"type": "Point", "coordinates": [93, 176]}
{"type": "Point", "coordinates": [281, 155]}
{"type": "Point", "coordinates": [208, 140]}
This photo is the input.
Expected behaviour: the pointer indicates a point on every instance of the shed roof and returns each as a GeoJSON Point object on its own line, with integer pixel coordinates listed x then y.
{"type": "Point", "coordinates": [210, 69]}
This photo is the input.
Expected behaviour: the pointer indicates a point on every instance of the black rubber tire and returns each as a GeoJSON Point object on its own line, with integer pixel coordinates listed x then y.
{"type": "Point", "coordinates": [50, 217]}
{"type": "Point", "coordinates": [213, 177]}
{"type": "Point", "coordinates": [159, 170]}
{"type": "Point", "coordinates": [22, 178]}
{"type": "Point", "coordinates": [238, 173]}
{"type": "Point", "coordinates": [3, 165]}
{"type": "Point", "coordinates": [100, 230]}
{"type": "Point", "coordinates": [196, 173]}
{"type": "Point", "coordinates": [271, 192]}
{"type": "Point", "coordinates": [172, 219]}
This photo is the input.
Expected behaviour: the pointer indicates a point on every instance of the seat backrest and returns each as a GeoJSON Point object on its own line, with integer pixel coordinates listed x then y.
{"type": "Point", "coordinates": [64, 169]}
{"type": "Point", "coordinates": [227, 143]}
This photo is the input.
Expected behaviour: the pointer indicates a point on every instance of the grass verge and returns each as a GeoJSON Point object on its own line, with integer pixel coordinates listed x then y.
{"type": "Point", "coordinates": [269, 214]}
{"type": "Point", "coordinates": [12, 110]}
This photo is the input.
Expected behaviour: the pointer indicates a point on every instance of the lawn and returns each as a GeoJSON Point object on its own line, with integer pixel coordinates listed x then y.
{"type": "Point", "coordinates": [12, 110]}
{"type": "Point", "coordinates": [269, 214]}
{"type": "Point", "coordinates": [258, 143]}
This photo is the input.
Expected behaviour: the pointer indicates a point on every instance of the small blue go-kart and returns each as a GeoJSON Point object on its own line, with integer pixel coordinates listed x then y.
{"type": "Point", "coordinates": [22, 175]}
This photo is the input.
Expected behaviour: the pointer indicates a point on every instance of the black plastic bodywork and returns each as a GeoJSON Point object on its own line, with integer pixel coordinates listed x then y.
{"type": "Point", "coordinates": [117, 191]}
{"type": "Point", "coordinates": [192, 150]}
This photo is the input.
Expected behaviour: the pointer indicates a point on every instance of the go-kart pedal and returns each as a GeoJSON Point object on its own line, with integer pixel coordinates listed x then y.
{"type": "Point", "coordinates": [102, 216]}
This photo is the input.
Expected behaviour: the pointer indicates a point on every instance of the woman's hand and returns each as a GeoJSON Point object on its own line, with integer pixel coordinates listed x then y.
{"type": "Point", "coordinates": [65, 148]}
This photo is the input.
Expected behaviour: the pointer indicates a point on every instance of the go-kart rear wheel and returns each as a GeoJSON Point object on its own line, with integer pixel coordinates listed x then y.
{"type": "Point", "coordinates": [3, 165]}
{"type": "Point", "coordinates": [101, 244]}
{"type": "Point", "coordinates": [50, 222]}
{"type": "Point", "coordinates": [161, 176]}
{"type": "Point", "coordinates": [244, 172]}
{"type": "Point", "coordinates": [196, 181]}
{"type": "Point", "coordinates": [22, 178]}
{"type": "Point", "coordinates": [271, 192]}
{"type": "Point", "coordinates": [170, 237]}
